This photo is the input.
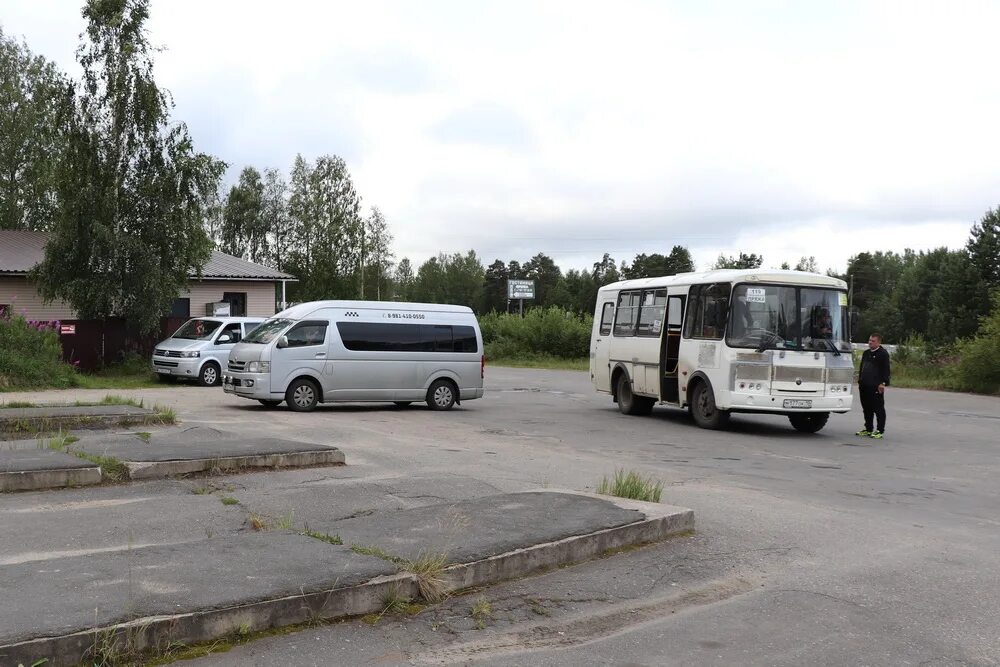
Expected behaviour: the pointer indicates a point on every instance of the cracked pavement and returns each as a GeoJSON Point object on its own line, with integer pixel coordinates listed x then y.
{"type": "Point", "coordinates": [820, 550]}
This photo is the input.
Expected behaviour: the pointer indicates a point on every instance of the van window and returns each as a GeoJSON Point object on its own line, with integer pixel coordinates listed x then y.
{"type": "Point", "coordinates": [379, 337]}
{"type": "Point", "coordinates": [305, 334]}
{"type": "Point", "coordinates": [234, 333]}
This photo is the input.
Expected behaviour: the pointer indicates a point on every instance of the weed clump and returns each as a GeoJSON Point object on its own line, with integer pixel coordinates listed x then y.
{"type": "Point", "coordinates": [630, 484]}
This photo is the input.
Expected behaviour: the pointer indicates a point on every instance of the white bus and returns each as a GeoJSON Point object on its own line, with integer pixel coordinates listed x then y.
{"type": "Point", "coordinates": [754, 341]}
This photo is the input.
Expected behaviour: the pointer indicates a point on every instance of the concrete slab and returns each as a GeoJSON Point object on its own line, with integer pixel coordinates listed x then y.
{"type": "Point", "coordinates": [187, 593]}
{"type": "Point", "coordinates": [42, 412]}
{"type": "Point", "coordinates": [475, 529]}
{"type": "Point", "coordinates": [165, 457]}
{"type": "Point", "coordinates": [43, 468]}
{"type": "Point", "coordinates": [14, 421]}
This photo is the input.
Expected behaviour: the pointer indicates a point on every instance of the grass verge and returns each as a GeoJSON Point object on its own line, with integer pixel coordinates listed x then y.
{"type": "Point", "coordinates": [541, 361]}
{"type": "Point", "coordinates": [630, 484]}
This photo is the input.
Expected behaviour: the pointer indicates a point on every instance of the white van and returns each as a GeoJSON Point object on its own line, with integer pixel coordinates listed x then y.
{"type": "Point", "coordinates": [327, 351]}
{"type": "Point", "coordinates": [199, 349]}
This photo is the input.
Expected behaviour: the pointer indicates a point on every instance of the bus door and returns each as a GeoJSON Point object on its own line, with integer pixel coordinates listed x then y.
{"type": "Point", "coordinates": [670, 349]}
{"type": "Point", "coordinates": [600, 349]}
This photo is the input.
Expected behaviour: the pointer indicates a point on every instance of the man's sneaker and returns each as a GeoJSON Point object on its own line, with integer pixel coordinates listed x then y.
{"type": "Point", "coordinates": [876, 434]}
{"type": "Point", "coordinates": [864, 433]}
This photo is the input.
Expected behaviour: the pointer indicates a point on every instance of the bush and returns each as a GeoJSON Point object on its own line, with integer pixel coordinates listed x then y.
{"type": "Point", "coordinates": [978, 366]}
{"type": "Point", "coordinates": [542, 331]}
{"type": "Point", "coordinates": [31, 356]}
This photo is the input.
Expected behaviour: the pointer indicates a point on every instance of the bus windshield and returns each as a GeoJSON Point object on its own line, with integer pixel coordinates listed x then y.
{"type": "Point", "coordinates": [268, 331]}
{"type": "Point", "coordinates": [791, 318]}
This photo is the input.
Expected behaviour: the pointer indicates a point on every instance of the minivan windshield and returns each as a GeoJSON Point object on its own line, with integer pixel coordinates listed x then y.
{"type": "Point", "coordinates": [197, 329]}
{"type": "Point", "coordinates": [268, 331]}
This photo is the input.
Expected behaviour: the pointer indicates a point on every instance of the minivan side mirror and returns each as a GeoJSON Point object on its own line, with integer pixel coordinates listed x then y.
{"type": "Point", "coordinates": [223, 339]}
{"type": "Point", "coordinates": [283, 342]}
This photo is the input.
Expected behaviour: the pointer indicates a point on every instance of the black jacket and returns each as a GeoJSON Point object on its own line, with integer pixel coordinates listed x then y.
{"type": "Point", "coordinates": [874, 367]}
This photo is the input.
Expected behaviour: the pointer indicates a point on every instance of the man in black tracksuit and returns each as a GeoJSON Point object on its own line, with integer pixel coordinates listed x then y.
{"type": "Point", "coordinates": [873, 378]}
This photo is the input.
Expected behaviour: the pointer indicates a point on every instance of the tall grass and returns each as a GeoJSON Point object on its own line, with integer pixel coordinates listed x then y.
{"type": "Point", "coordinates": [630, 484]}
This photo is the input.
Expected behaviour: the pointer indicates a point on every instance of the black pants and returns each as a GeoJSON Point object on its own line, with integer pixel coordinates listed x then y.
{"type": "Point", "coordinates": [873, 403]}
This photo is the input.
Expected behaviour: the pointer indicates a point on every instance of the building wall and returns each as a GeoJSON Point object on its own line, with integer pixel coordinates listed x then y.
{"type": "Point", "coordinates": [260, 295]}
{"type": "Point", "coordinates": [20, 293]}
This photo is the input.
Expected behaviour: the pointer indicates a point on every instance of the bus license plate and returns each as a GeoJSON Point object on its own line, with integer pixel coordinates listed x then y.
{"type": "Point", "coordinates": [797, 403]}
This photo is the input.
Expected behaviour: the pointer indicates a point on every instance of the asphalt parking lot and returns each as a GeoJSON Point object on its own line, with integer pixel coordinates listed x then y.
{"type": "Point", "coordinates": [809, 549]}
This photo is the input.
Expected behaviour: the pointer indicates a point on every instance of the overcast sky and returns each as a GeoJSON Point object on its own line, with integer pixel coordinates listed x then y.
{"type": "Point", "coordinates": [787, 129]}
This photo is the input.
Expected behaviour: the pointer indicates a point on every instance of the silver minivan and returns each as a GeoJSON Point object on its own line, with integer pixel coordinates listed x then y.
{"type": "Point", "coordinates": [200, 348]}
{"type": "Point", "coordinates": [327, 351]}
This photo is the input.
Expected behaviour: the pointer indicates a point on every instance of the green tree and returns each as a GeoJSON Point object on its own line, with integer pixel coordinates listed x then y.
{"type": "Point", "coordinates": [984, 247]}
{"type": "Point", "coordinates": [957, 301]}
{"type": "Point", "coordinates": [132, 191]}
{"type": "Point", "coordinates": [376, 255]}
{"type": "Point", "coordinates": [403, 281]}
{"type": "Point", "coordinates": [274, 207]}
{"type": "Point", "coordinates": [244, 227]}
{"type": "Point", "coordinates": [546, 274]}
{"type": "Point", "coordinates": [429, 284]}
{"type": "Point", "coordinates": [807, 264]}
{"type": "Point", "coordinates": [493, 297]}
{"type": "Point", "coordinates": [464, 279]}
{"type": "Point", "coordinates": [605, 272]}
{"type": "Point", "coordinates": [743, 261]}
{"type": "Point", "coordinates": [34, 99]}
{"type": "Point", "coordinates": [649, 266]}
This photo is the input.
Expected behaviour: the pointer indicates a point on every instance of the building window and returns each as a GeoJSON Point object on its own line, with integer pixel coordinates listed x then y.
{"type": "Point", "coordinates": [181, 308]}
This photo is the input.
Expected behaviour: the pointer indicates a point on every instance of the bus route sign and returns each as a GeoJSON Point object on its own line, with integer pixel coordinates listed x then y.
{"type": "Point", "coordinates": [520, 289]}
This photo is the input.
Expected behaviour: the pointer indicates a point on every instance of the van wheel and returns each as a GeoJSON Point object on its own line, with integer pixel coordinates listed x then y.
{"type": "Point", "coordinates": [302, 396]}
{"type": "Point", "coordinates": [268, 403]}
{"type": "Point", "coordinates": [441, 395]}
{"type": "Point", "coordinates": [809, 423]}
{"type": "Point", "coordinates": [629, 403]}
{"type": "Point", "coordinates": [704, 410]}
{"type": "Point", "coordinates": [402, 404]}
{"type": "Point", "coordinates": [209, 375]}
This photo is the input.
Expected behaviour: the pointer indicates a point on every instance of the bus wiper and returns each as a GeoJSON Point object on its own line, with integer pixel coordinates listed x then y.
{"type": "Point", "coordinates": [767, 337]}
{"type": "Point", "coordinates": [833, 348]}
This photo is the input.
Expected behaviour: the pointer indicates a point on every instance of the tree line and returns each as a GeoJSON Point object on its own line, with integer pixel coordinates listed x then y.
{"type": "Point", "coordinates": [131, 206]}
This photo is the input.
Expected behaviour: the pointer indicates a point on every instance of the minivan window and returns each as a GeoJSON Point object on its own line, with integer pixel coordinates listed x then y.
{"type": "Point", "coordinates": [234, 334]}
{"type": "Point", "coordinates": [305, 334]}
{"type": "Point", "coordinates": [268, 331]}
{"type": "Point", "coordinates": [198, 329]}
{"type": "Point", "coordinates": [379, 337]}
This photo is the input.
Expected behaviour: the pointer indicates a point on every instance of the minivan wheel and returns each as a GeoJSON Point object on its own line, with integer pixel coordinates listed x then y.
{"type": "Point", "coordinates": [268, 403]}
{"type": "Point", "coordinates": [441, 395]}
{"type": "Point", "coordinates": [302, 396]}
{"type": "Point", "coordinates": [209, 375]}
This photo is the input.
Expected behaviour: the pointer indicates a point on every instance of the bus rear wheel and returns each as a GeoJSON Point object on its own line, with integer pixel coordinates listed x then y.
{"type": "Point", "coordinates": [703, 409]}
{"type": "Point", "coordinates": [629, 403]}
{"type": "Point", "coordinates": [809, 423]}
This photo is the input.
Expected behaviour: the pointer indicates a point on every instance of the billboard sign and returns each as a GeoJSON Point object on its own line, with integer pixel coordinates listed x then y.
{"type": "Point", "coordinates": [520, 289]}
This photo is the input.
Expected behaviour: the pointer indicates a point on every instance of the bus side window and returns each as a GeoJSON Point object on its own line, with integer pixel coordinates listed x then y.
{"type": "Point", "coordinates": [607, 318]}
{"type": "Point", "coordinates": [708, 311]}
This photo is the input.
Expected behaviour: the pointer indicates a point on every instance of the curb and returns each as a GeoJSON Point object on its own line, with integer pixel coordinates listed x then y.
{"type": "Point", "coordinates": [158, 632]}
{"type": "Point", "coordinates": [138, 470]}
{"type": "Point", "coordinates": [35, 480]}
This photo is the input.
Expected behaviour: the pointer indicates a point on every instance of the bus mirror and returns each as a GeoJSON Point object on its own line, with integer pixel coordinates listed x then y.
{"type": "Point", "coordinates": [283, 342]}
{"type": "Point", "coordinates": [854, 320]}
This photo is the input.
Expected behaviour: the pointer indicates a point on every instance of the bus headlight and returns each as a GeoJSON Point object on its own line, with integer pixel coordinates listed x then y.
{"type": "Point", "coordinates": [259, 367]}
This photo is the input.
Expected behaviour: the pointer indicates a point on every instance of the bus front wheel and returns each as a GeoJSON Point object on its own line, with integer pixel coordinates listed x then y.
{"type": "Point", "coordinates": [703, 409]}
{"type": "Point", "coordinates": [629, 403]}
{"type": "Point", "coordinates": [809, 423]}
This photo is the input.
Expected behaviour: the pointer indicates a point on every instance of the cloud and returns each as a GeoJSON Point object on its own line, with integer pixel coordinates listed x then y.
{"type": "Point", "coordinates": [486, 125]}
